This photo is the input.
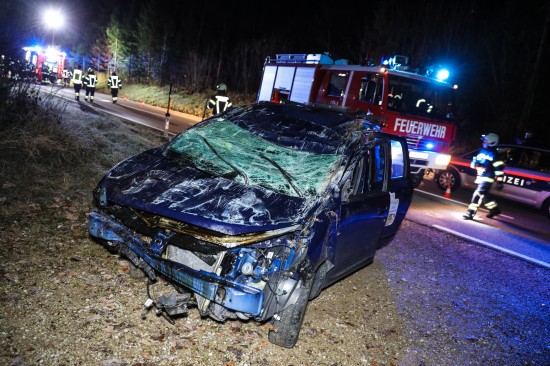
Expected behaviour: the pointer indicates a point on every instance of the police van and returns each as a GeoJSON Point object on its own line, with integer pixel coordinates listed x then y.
{"type": "Point", "coordinates": [526, 174]}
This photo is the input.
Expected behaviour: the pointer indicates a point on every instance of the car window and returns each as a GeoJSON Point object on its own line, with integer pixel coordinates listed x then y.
{"type": "Point", "coordinates": [397, 160]}
{"type": "Point", "coordinates": [226, 150]}
{"type": "Point", "coordinates": [509, 155]}
{"type": "Point", "coordinates": [544, 164]}
{"type": "Point", "coordinates": [358, 178]}
{"type": "Point", "coordinates": [525, 158]}
{"type": "Point", "coordinates": [377, 167]}
{"type": "Point", "coordinates": [371, 89]}
{"type": "Point", "coordinates": [368, 175]}
{"type": "Point", "coordinates": [337, 84]}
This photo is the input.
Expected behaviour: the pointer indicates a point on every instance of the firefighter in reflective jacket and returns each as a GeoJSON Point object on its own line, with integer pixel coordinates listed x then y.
{"type": "Point", "coordinates": [77, 82]}
{"type": "Point", "coordinates": [489, 169]}
{"type": "Point", "coordinates": [66, 77]}
{"type": "Point", "coordinates": [90, 81]}
{"type": "Point", "coordinates": [114, 83]}
{"type": "Point", "coordinates": [219, 102]}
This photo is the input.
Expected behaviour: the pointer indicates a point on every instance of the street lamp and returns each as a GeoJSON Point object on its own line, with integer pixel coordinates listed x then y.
{"type": "Point", "coordinates": [53, 19]}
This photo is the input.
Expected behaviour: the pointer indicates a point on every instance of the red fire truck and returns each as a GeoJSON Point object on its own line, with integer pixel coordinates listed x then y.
{"type": "Point", "coordinates": [48, 63]}
{"type": "Point", "coordinates": [402, 101]}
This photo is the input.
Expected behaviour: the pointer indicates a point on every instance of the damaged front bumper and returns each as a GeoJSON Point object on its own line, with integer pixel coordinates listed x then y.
{"type": "Point", "coordinates": [243, 287]}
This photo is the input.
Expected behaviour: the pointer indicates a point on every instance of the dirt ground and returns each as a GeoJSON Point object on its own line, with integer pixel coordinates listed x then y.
{"type": "Point", "coordinates": [428, 298]}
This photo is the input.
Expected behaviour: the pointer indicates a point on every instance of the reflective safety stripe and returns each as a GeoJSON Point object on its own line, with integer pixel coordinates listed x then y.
{"type": "Point", "coordinates": [114, 81]}
{"type": "Point", "coordinates": [481, 179]}
{"type": "Point", "coordinates": [491, 205]}
{"type": "Point", "coordinates": [220, 100]}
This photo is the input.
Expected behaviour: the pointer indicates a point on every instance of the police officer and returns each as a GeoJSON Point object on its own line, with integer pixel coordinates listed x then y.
{"type": "Point", "coordinates": [77, 81]}
{"type": "Point", "coordinates": [90, 82]}
{"type": "Point", "coordinates": [489, 169]}
{"type": "Point", "coordinates": [114, 83]}
{"type": "Point", "coordinates": [219, 102]}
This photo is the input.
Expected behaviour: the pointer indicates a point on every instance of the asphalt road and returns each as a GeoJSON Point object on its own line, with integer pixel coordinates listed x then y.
{"type": "Point", "coordinates": [520, 231]}
{"type": "Point", "coordinates": [133, 111]}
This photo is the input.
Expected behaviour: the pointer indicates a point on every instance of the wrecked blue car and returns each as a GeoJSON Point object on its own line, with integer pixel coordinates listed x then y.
{"type": "Point", "coordinates": [251, 213]}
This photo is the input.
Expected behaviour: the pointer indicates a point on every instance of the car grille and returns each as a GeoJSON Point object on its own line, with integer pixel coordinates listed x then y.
{"type": "Point", "coordinates": [148, 225]}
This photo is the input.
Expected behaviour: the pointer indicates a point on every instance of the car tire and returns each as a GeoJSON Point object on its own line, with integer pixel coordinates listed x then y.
{"type": "Point", "coordinates": [286, 327]}
{"type": "Point", "coordinates": [445, 177]}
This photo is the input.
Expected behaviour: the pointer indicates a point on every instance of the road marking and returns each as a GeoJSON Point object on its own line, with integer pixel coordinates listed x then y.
{"type": "Point", "coordinates": [493, 246]}
{"type": "Point", "coordinates": [458, 202]}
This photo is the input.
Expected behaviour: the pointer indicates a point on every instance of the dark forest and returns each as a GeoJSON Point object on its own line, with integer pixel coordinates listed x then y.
{"type": "Point", "coordinates": [497, 51]}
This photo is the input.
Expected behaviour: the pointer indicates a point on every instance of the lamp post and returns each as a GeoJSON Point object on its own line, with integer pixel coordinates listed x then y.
{"type": "Point", "coordinates": [167, 115]}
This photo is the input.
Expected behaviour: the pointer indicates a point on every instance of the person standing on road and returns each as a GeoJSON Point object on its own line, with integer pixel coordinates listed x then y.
{"type": "Point", "coordinates": [114, 83]}
{"type": "Point", "coordinates": [90, 81]}
{"type": "Point", "coordinates": [489, 169]}
{"type": "Point", "coordinates": [77, 82]}
{"type": "Point", "coordinates": [219, 102]}
{"type": "Point", "coordinates": [66, 77]}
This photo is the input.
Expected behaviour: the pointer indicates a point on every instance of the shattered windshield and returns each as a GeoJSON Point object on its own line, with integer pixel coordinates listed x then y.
{"type": "Point", "coordinates": [224, 149]}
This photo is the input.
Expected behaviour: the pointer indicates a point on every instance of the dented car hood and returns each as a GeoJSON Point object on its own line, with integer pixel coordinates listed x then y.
{"type": "Point", "coordinates": [163, 185]}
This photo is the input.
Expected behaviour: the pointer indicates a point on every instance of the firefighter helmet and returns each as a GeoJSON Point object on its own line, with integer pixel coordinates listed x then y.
{"type": "Point", "coordinates": [490, 138]}
{"type": "Point", "coordinates": [221, 87]}
{"type": "Point", "coordinates": [90, 70]}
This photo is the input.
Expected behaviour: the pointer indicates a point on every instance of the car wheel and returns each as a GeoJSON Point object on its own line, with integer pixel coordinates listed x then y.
{"type": "Point", "coordinates": [546, 207]}
{"type": "Point", "coordinates": [446, 177]}
{"type": "Point", "coordinates": [287, 324]}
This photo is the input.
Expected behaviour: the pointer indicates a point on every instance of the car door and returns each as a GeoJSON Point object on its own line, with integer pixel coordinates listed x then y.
{"type": "Point", "coordinates": [363, 211]}
{"type": "Point", "coordinates": [400, 186]}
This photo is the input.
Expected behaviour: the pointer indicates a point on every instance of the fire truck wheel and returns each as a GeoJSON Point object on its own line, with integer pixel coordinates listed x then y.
{"type": "Point", "coordinates": [446, 177]}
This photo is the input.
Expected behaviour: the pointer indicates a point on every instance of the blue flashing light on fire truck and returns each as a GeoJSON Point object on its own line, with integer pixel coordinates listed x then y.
{"type": "Point", "coordinates": [48, 63]}
{"type": "Point", "coordinates": [403, 101]}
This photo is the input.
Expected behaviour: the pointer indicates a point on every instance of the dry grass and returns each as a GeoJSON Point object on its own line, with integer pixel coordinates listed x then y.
{"type": "Point", "coordinates": [180, 100]}
{"type": "Point", "coordinates": [51, 147]}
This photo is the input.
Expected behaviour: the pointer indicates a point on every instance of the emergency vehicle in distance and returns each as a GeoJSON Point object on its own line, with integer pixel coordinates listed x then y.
{"type": "Point", "coordinates": [48, 63]}
{"type": "Point", "coordinates": [402, 101]}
